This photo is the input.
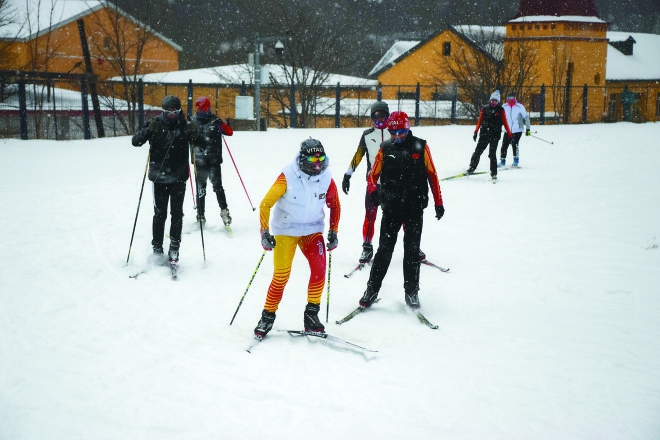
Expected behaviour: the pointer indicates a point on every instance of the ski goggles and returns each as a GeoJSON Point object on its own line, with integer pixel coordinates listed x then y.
{"type": "Point", "coordinates": [398, 132]}
{"type": "Point", "coordinates": [380, 114]}
{"type": "Point", "coordinates": [171, 112]}
{"type": "Point", "coordinates": [314, 159]}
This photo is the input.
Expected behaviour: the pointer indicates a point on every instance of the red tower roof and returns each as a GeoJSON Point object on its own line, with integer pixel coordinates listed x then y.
{"type": "Point", "coordinates": [584, 8]}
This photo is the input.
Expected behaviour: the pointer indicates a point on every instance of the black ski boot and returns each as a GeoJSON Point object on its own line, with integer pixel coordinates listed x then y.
{"type": "Point", "coordinates": [311, 318]}
{"type": "Point", "coordinates": [265, 324]}
{"type": "Point", "coordinates": [368, 298]}
{"type": "Point", "coordinates": [412, 298]}
{"type": "Point", "coordinates": [173, 253]}
{"type": "Point", "coordinates": [367, 253]}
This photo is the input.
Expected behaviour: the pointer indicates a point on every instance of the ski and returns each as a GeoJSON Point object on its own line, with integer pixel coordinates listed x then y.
{"type": "Point", "coordinates": [425, 321]}
{"type": "Point", "coordinates": [357, 268]}
{"type": "Point", "coordinates": [463, 175]}
{"type": "Point", "coordinates": [328, 337]}
{"type": "Point", "coordinates": [440, 268]}
{"type": "Point", "coordinates": [254, 343]}
{"type": "Point", "coordinates": [228, 228]}
{"type": "Point", "coordinates": [354, 313]}
{"type": "Point", "coordinates": [137, 274]}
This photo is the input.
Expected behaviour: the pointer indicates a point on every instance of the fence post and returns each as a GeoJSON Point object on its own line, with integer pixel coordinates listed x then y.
{"type": "Point", "coordinates": [22, 105]}
{"type": "Point", "coordinates": [417, 105]}
{"type": "Point", "coordinates": [337, 101]}
{"type": "Point", "coordinates": [140, 103]}
{"type": "Point", "coordinates": [542, 105]}
{"type": "Point", "coordinates": [454, 98]}
{"type": "Point", "coordinates": [190, 98]}
{"type": "Point", "coordinates": [292, 106]}
{"type": "Point", "coordinates": [85, 109]}
{"type": "Point", "coordinates": [585, 102]}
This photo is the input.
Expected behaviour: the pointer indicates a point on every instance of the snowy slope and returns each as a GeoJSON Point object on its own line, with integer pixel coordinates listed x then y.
{"type": "Point", "coordinates": [548, 318]}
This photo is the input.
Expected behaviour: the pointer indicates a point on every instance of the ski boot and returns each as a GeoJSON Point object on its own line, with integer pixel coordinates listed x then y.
{"type": "Point", "coordinates": [515, 162]}
{"type": "Point", "coordinates": [265, 324]}
{"type": "Point", "coordinates": [368, 298]}
{"type": "Point", "coordinates": [502, 162]}
{"type": "Point", "coordinates": [412, 298]}
{"type": "Point", "coordinates": [311, 319]}
{"type": "Point", "coordinates": [226, 218]}
{"type": "Point", "coordinates": [367, 253]}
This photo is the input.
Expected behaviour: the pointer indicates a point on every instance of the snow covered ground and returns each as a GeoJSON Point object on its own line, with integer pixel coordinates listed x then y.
{"type": "Point", "coordinates": [549, 318]}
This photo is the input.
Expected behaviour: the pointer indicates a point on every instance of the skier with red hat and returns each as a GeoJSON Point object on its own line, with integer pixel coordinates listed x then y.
{"type": "Point", "coordinates": [406, 171]}
{"type": "Point", "coordinates": [207, 156]}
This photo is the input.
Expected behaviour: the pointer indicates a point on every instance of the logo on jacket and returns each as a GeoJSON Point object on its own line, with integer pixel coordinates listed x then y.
{"type": "Point", "coordinates": [321, 196]}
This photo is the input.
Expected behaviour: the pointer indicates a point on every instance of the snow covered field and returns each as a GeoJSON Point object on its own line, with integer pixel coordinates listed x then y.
{"type": "Point", "coordinates": [549, 318]}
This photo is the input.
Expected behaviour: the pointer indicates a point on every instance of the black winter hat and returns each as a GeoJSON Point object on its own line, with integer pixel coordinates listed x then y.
{"type": "Point", "coordinates": [379, 106]}
{"type": "Point", "coordinates": [171, 102]}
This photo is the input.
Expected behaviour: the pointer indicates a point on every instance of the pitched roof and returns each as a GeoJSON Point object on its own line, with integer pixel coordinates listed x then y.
{"type": "Point", "coordinates": [643, 64]}
{"type": "Point", "coordinates": [584, 8]}
{"type": "Point", "coordinates": [29, 19]}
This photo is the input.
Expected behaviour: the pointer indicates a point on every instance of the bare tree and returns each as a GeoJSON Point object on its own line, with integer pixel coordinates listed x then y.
{"type": "Point", "coordinates": [122, 43]}
{"type": "Point", "coordinates": [313, 51]}
{"type": "Point", "coordinates": [483, 64]}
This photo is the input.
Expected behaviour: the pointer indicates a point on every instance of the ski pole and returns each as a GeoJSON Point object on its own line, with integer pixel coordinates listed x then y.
{"type": "Point", "coordinates": [548, 142]}
{"type": "Point", "coordinates": [239, 174]}
{"type": "Point", "coordinates": [199, 218]}
{"type": "Point", "coordinates": [138, 209]}
{"type": "Point", "coordinates": [192, 191]}
{"type": "Point", "coordinates": [248, 287]}
{"type": "Point", "coordinates": [327, 296]}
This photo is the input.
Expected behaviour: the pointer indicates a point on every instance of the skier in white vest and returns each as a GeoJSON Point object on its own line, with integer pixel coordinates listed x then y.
{"type": "Point", "coordinates": [517, 116]}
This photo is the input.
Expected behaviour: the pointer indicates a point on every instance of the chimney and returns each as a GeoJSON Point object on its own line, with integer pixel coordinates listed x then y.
{"type": "Point", "coordinates": [625, 47]}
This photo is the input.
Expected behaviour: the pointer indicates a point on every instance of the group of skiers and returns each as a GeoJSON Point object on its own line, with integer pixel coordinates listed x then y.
{"type": "Point", "coordinates": [400, 172]}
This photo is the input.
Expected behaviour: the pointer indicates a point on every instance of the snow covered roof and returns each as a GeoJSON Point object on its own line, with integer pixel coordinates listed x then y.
{"type": "Point", "coordinates": [237, 73]}
{"type": "Point", "coordinates": [643, 64]}
{"type": "Point", "coordinates": [28, 19]}
{"type": "Point", "coordinates": [398, 49]}
{"type": "Point", "coordinates": [556, 18]}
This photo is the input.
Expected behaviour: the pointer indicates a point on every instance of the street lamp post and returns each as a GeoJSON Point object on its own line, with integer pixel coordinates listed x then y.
{"type": "Point", "coordinates": [279, 48]}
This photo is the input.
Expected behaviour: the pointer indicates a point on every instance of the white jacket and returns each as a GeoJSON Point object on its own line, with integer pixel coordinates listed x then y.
{"type": "Point", "coordinates": [300, 211]}
{"type": "Point", "coordinates": [515, 116]}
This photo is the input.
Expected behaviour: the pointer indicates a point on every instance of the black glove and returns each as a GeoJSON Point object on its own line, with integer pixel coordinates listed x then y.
{"type": "Point", "coordinates": [154, 125]}
{"type": "Point", "coordinates": [267, 240]}
{"type": "Point", "coordinates": [191, 129]}
{"type": "Point", "coordinates": [346, 183]}
{"type": "Point", "coordinates": [375, 197]}
{"type": "Point", "coordinates": [474, 136]}
{"type": "Point", "coordinates": [332, 240]}
{"type": "Point", "coordinates": [439, 211]}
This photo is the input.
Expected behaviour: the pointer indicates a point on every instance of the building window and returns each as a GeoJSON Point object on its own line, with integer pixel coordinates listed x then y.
{"type": "Point", "coordinates": [446, 48]}
{"type": "Point", "coordinates": [657, 106]}
{"type": "Point", "coordinates": [597, 78]}
{"type": "Point", "coordinates": [513, 27]}
{"type": "Point", "coordinates": [536, 103]}
{"type": "Point", "coordinates": [537, 27]}
{"type": "Point", "coordinates": [553, 26]}
{"type": "Point", "coordinates": [406, 95]}
{"type": "Point", "coordinates": [106, 43]}
{"type": "Point", "coordinates": [545, 26]}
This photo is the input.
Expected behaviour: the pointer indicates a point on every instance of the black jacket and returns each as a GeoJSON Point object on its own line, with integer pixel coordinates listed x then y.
{"type": "Point", "coordinates": [168, 148]}
{"type": "Point", "coordinates": [208, 142]}
{"type": "Point", "coordinates": [403, 177]}
{"type": "Point", "coordinates": [491, 120]}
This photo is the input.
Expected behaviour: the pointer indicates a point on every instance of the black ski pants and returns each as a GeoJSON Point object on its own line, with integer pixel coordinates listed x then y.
{"type": "Point", "coordinates": [390, 225]}
{"type": "Point", "coordinates": [174, 193]}
{"type": "Point", "coordinates": [214, 174]}
{"type": "Point", "coordinates": [484, 142]}
{"type": "Point", "coordinates": [514, 144]}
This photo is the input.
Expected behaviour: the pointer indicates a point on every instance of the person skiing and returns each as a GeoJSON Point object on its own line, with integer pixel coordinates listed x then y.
{"type": "Point", "coordinates": [207, 156]}
{"type": "Point", "coordinates": [367, 148]}
{"type": "Point", "coordinates": [406, 171]}
{"type": "Point", "coordinates": [297, 198]}
{"type": "Point", "coordinates": [168, 135]}
{"type": "Point", "coordinates": [516, 115]}
{"type": "Point", "coordinates": [491, 120]}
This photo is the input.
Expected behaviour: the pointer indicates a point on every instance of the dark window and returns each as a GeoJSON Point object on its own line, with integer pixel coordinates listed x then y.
{"type": "Point", "coordinates": [406, 95]}
{"type": "Point", "coordinates": [446, 48]}
{"type": "Point", "coordinates": [106, 43]}
{"type": "Point", "coordinates": [657, 106]}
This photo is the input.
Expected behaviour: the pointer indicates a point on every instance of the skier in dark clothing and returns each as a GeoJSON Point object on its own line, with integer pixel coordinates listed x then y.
{"type": "Point", "coordinates": [207, 154]}
{"type": "Point", "coordinates": [406, 171]}
{"type": "Point", "coordinates": [491, 120]}
{"type": "Point", "coordinates": [168, 135]}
